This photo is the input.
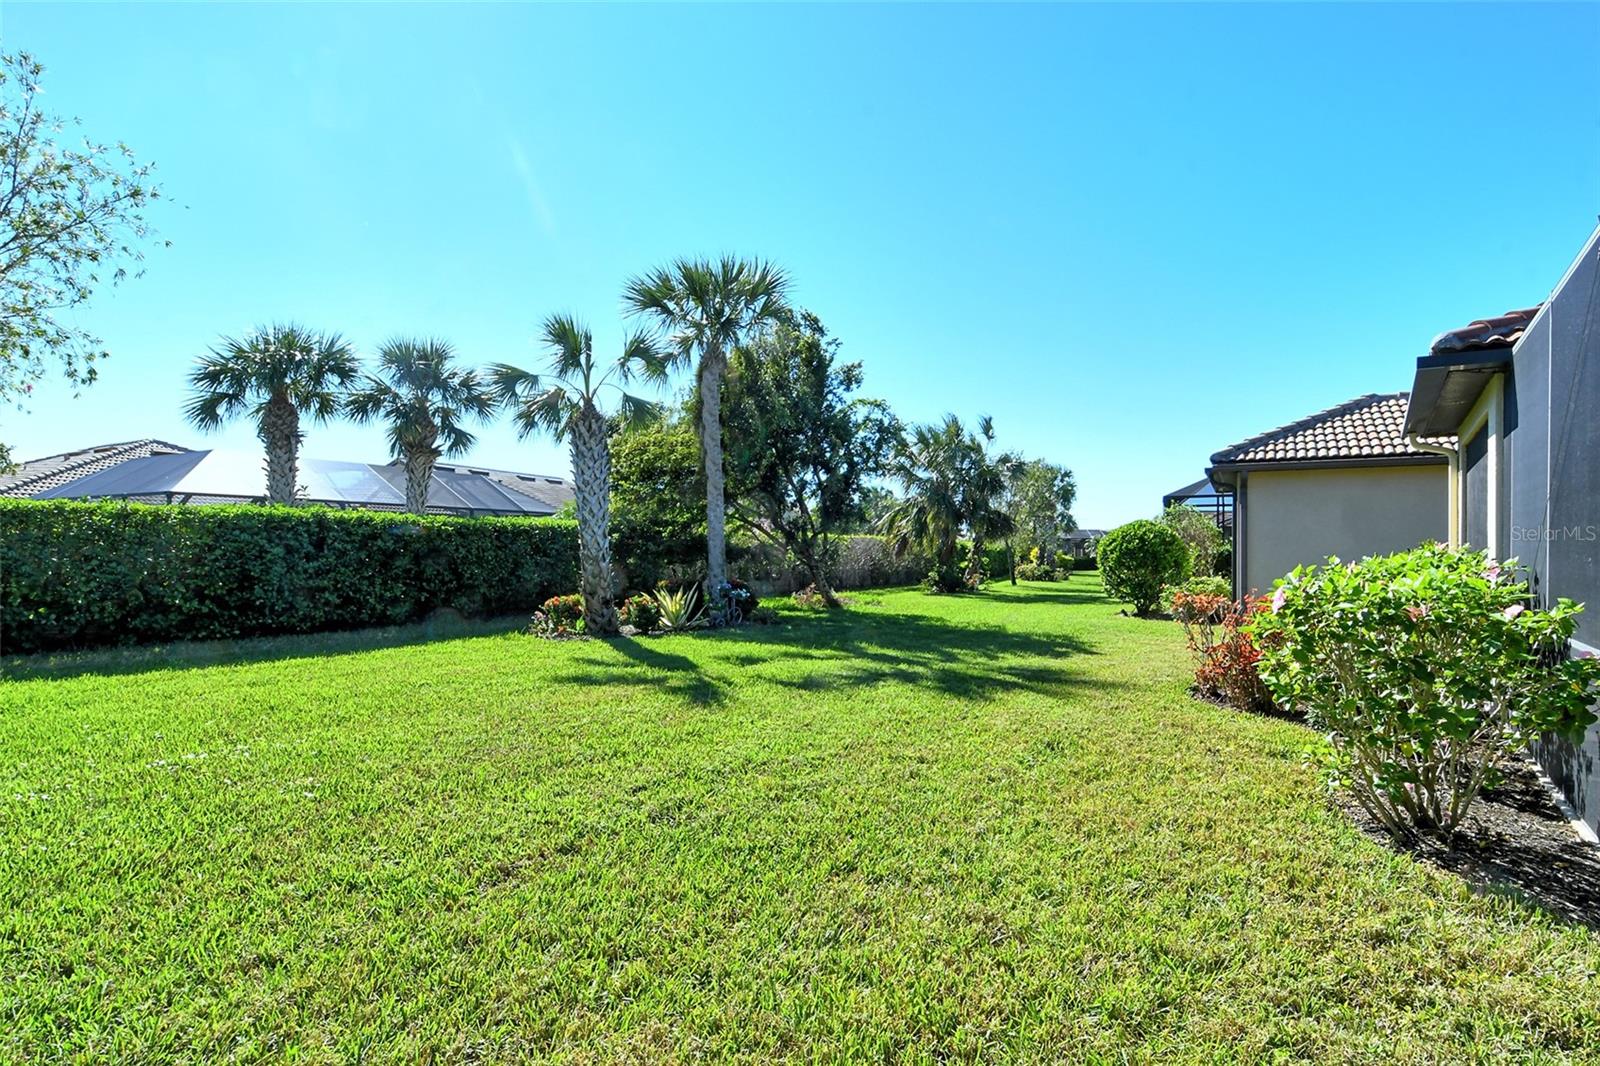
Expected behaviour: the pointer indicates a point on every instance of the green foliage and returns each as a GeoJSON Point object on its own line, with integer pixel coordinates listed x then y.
{"type": "Point", "coordinates": [800, 446]}
{"type": "Point", "coordinates": [73, 216]}
{"type": "Point", "coordinates": [679, 608]}
{"type": "Point", "coordinates": [1195, 586]}
{"type": "Point", "coordinates": [1034, 568]}
{"type": "Point", "coordinates": [640, 612]}
{"type": "Point", "coordinates": [79, 574]}
{"type": "Point", "coordinates": [559, 616]}
{"type": "Point", "coordinates": [1137, 559]}
{"type": "Point", "coordinates": [1200, 535]}
{"type": "Point", "coordinates": [1427, 668]}
{"type": "Point", "coordinates": [658, 505]}
{"type": "Point", "coordinates": [946, 578]}
{"type": "Point", "coordinates": [1039, 497]}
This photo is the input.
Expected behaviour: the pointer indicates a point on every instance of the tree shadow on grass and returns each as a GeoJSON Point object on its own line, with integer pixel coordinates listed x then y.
{"type": "Point", "coordinates": [198, 654]}
{"type": "Point", "coordinates": [846, 650]}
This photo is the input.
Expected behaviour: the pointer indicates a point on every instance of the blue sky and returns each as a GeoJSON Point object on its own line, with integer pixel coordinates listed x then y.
{"type": "Point", "coordinates": [1131, 234]}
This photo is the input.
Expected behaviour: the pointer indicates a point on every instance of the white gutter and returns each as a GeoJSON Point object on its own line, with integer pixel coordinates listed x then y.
{"type": "Point", "coordinates": [1453, 461]}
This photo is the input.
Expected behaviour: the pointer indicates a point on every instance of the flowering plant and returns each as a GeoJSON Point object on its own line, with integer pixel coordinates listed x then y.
{"type": "Point", "coordinates": [1426, 668]}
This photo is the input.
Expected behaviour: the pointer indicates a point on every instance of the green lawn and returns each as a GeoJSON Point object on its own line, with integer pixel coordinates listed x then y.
{"type": "Point", "coordinates": [990, 827]}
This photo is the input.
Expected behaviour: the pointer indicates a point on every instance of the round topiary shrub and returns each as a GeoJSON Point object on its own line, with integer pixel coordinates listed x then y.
{"type": "Point", "coordinates": [1137, 559]}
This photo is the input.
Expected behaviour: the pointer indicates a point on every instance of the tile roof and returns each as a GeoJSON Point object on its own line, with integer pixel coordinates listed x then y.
{"type": "Point", "coordinates": [1499, 332]}
{"type": "Point", "coordinates": [53, 471]}
{"type": "Point", "coordinates": [1367, 427]}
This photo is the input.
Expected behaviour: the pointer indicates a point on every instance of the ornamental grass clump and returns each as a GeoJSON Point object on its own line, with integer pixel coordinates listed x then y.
{"type": "Point", "coordinates": [1427, 669]}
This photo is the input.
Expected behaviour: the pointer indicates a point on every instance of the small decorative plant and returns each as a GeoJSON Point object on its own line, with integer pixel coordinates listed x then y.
{"type": "Point", "coordinates": [679, 609]}
{"type": "Point", "coordinates": [1426, 668]}
{"type": "Point", "coordinates": [641, 612]}
{"type": "Point", "coordinates": [558, 617]}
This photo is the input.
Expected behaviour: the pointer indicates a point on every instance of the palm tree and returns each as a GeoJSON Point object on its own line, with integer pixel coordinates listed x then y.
{"type": "Point", "coordinates": [566, 404]}
{"type": "Point", "coordinates": [425, 400]}
{"type": "Point", "coordinates": [277, 374]}
{"type": "Point", "coordinates": [706, 308]}
{"type": "Point", "coordinates": [950, 485]}
{"type": "Point", "coordinates": [982, 487]}
{"type": "Point", "coordinates": [928, 465]}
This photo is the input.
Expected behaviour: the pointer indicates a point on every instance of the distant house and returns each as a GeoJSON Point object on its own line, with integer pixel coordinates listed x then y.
{"type": "Point", "coordinates": [1080, 543]}
{"type": "Point", "coordinates": [154, 471]}
{"type": "Point", "coordinates": [1521, 392]}
{"type": "Point", "coordinates": [1346, 481]}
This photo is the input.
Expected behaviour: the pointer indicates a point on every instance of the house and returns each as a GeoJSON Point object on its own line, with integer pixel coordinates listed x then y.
{"type": "Point", "coordinates": [1080, 543]}
{"type": "Point", "coordinates": [154, 471]}
{"type": "Point", "coordinates": [1347, 481]}
{"type": "Point", "coordinates": [1520, 392]}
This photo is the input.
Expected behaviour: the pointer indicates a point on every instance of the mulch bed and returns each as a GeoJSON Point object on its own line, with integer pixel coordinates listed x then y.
{"type": "Point", "coordinates": [1515, 841]}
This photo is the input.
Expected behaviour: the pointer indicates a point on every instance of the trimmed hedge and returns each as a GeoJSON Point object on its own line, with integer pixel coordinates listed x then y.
{"type": "Point", "coordinates": [84, 574]}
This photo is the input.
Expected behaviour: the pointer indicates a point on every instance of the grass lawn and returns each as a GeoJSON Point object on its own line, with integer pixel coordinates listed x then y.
{"type": "Point", "coordinates": [991, 827]}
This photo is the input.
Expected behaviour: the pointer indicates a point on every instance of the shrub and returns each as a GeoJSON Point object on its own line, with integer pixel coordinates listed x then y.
{"type": "Point", "coordinates": [640, 612]}
{"type": "Point", "coordinates": [78, 574]}
{"type": "Point", "coordinates": [1031, 569]}
{"type": "Point", "coordinates": [1217, 630]}
{"type": "Point", "coordinates": [1426, 668]}
{"type": "Point", "coordinates": [1218, 587]}
{"type": "Point", "coordinates": [950, 578]}
{"type": "Point", "coordinates": [1063, 563]}
{"type": "Point", "coordinates": [1137, 559]}
{"type": "Point", "coordinates": [1199, 533]}
{"type": "Point", "coordinates": [679, 608]}
{"type": "Point", "coordinates": [559, 616]}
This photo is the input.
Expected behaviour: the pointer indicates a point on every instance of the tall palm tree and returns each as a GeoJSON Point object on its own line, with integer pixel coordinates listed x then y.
{"type": "Point", "coordinates": [566, 404]}
{"type": "Point", "coordinates": [982, 488]}
{"type": "Point", "coordinates": [929, 466]}
{"type": "Point", "coordinates": [706, 308]}
{"type": "Point", "coordinates": [426, 400]}
{"type": "Point", "coordinates": [276, 374]}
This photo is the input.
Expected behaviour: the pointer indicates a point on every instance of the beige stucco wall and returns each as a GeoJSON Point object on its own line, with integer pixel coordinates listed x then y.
{"type": "Point", "coordinates": [1303, 516]}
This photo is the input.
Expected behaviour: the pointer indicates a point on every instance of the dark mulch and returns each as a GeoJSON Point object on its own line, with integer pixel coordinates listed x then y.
{"type": "Point", "coordinates": [1515, 842]}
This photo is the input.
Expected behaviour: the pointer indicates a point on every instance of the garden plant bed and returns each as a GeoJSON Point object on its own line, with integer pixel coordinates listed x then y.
{"type": "Point", "coordinates": [1515, 841]}
{"type": "Point", "coordinates": [986, 827]}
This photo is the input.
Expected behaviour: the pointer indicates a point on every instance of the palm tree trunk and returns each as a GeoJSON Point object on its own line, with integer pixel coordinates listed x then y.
{"type": "Point", "coordinates": [419, 474]}
{"type": "Point", "coordinates": [712, 365]}
{"type": "Point", "coordinates": [280, 434]}
{"type": "Point", "coordinates": [975, 562]}
{"type": "Point", "coordinates": [591, 477]}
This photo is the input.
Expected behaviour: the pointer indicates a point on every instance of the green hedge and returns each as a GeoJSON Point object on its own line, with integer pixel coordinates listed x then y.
{"type": "Point", "coordinates": [85, 574]}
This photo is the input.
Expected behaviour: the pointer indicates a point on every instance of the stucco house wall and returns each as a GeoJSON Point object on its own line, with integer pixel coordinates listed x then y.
{"type": "Point", "coordinates": [1303, 516]}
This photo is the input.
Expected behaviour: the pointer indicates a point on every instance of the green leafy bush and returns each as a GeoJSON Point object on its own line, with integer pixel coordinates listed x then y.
{"type": "Point", "coordinates": [640, 612]}
{"type": "Point", "coordinates": [950, 578]}
{"type": "Point", "coordinates": [1137, 559]}
{"type": "Point", "coordinates": [559, 616]}
{"type": "Point", "coordinates": [78, 575]}
{"type": "Point", "coordinates": [1426, 668]}
{"type": "Point", "coordinates": [1218, 631]}
{"type": "Point", "coordinates": [1195, 587]}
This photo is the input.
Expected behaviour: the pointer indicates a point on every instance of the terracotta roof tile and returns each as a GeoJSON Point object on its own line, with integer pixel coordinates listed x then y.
{"type": "Point", "coordinates": [1367, 427]}
{"type": "Point", "coordinates": [1498, 332]}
